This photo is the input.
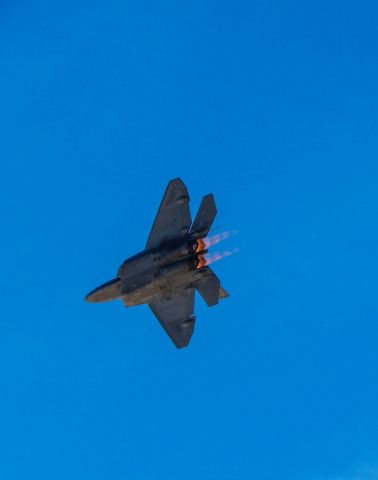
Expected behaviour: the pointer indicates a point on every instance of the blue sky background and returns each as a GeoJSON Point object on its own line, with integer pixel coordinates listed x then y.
{"type": "Point", "coordinates": [273, 107]}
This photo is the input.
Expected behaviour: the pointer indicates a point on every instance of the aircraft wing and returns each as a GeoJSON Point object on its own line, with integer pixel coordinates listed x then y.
{"type": "Point", "coordinates": [173, 219]}
{"type": "Point", "coordinates": [175, 314]}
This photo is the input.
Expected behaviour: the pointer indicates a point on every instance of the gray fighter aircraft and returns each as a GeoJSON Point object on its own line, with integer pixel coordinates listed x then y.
{"type": "Point", "coordinates": [172, 266]}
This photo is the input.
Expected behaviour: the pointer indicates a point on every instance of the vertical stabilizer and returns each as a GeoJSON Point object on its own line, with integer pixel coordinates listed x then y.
{"type": "Point", "coordinates": [205, 216]}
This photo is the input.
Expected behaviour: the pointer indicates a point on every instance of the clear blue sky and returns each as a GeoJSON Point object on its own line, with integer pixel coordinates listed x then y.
{"type": "Point", "coordinates": [273, 107]}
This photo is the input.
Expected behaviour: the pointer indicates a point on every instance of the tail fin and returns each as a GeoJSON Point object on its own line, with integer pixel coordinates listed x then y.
{"type": "Point", "coordinates": [205, 216]}
{"type": "Point", "coordinates": [209, 287]}
{"type": "Point", "coordinates": [222, 293]}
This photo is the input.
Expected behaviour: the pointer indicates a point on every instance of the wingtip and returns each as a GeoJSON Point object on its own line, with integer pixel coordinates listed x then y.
{"type": "Point", "coordinates": [176, 181]}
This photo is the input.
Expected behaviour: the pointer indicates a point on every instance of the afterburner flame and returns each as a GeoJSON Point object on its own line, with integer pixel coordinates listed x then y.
{"type": "Point", "coordinates": [202, 262]}
{"type": "Point", "coordinates": [201, 245]}
{"type": "Point", "coordinates": [218, 237]}
{"type": "Point", "coordinates": [216, 256]}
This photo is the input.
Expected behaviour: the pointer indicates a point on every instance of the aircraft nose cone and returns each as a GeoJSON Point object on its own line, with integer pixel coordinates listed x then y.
{"type": "Point", "coordinates": [91, 296]}
{"type": "Point", "coordinates": [106, 292]}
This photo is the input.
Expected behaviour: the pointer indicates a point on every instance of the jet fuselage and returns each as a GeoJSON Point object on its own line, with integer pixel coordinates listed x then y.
{"type": "Point", "coordinates": [158, 270]}
{"type": "Point", "coordinates": [170, 270]}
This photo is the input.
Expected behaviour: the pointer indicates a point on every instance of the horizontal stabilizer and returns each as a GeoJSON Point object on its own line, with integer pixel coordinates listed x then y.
{"type": "Point", "coordinates": [209, 288]}
{"type": "Point", "coordinates": [222, 293]}
{"type": "Point", "coordinates": [205, 216]}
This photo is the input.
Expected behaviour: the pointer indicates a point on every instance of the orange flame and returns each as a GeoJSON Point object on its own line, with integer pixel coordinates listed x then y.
{"type": "Point", "coordinates": [201, 245]}
{"type": "Point", "coordinates": [205, 243]}
{"type": "Point", "coordinates": [202, 262]}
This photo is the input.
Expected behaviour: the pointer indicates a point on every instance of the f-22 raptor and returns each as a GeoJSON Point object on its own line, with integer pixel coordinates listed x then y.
{"type": "Point", "coordinates": [166, 274]}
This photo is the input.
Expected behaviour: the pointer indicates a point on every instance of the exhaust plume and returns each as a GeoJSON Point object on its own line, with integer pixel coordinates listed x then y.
{"type": "Point", "coordinates": [218, 237]}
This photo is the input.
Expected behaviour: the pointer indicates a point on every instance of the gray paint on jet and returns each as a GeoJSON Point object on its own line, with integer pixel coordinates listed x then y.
{"type": "Point", "coordinates": [166, 274]}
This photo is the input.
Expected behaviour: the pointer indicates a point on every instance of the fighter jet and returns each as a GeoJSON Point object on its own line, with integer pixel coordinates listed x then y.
{"type": "Point", "coordinates": [166, 274]}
